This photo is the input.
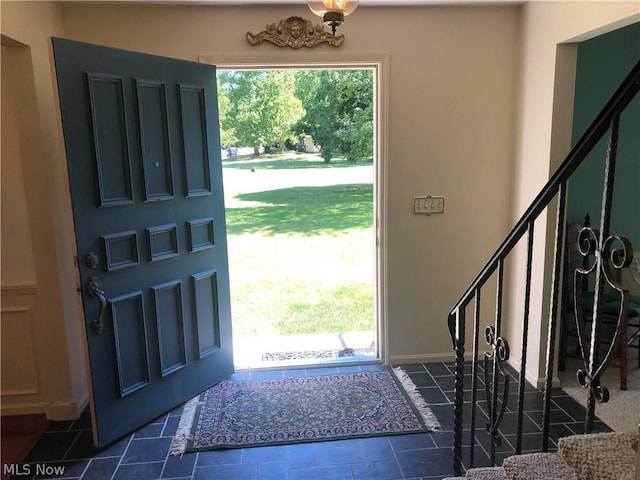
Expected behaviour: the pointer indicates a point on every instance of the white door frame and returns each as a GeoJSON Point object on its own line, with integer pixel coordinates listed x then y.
{"type": "Point", "coordinates": [379, 62]}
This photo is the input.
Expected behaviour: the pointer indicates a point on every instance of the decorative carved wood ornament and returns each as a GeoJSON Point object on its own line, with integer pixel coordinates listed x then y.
{"type": "Point", "coordinates": [295, 32]}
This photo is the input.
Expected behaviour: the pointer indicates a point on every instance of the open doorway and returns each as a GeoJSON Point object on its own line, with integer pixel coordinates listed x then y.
{"type": "Point", "coordinates": [299, 170]}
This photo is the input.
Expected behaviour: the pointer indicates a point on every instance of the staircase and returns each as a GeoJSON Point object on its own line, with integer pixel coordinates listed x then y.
{"type": "Point", "coordinates": [590, 456]}
{"type": "Point", "coordinates": [598, 456]}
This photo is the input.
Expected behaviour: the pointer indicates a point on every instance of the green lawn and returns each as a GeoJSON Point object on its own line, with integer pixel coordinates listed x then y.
{"type": "Point", "coordinates": [301, 246]}
{"type": "Point", "coordinates": [306, 211]}
{"type": "Point", "coordinates": [283, 161]}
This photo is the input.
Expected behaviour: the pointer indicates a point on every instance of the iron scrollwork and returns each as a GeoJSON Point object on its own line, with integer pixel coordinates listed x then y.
{"type": "Point", "coordinates": [498, 355]}
{"type": "Point", "coordinates": [606, 260]}
{"type": "Point", "coordinates": [295, 32]}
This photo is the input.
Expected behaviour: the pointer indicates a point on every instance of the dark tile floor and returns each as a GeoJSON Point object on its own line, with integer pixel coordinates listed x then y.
{"type": "Point", "coordinates": [144, 455]}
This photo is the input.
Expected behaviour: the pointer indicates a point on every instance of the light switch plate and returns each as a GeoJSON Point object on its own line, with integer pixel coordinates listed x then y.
{"type": "Point", "coordinates": [428, 205]}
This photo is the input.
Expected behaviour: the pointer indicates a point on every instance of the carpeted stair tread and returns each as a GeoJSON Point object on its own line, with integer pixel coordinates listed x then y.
{"type": "Point", "coordinates": [605, 456]}
{"type": "Point", "coordinates": [538, 466]}
{"type": "Point", "coordinates": [482, 473]}
{"type": "Point", "coordinates": [486, 473]}
{"type": "Point", "coordinates": [601, 456]}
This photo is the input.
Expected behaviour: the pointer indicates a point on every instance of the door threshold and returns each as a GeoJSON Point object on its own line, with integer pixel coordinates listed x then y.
{"type": "Point", "coordinates": [303, 350]}
{"type": "Point", "coordinates": [336, 363]}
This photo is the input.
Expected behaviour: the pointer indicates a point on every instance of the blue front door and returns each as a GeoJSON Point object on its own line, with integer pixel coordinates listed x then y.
{"type": "Point", "coordinates": [143, 153]}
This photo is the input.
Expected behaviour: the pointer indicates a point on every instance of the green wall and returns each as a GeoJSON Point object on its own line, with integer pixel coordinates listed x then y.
{"type": "Point", "coordinates": [602, 63]}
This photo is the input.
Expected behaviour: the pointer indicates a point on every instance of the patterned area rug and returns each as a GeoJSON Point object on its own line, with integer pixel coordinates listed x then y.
{"type": "Point", "coordinates": [236, 414]}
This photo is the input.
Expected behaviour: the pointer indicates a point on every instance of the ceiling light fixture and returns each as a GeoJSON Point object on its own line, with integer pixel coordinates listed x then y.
{"type": "Point", "coordinates": [333, 11]}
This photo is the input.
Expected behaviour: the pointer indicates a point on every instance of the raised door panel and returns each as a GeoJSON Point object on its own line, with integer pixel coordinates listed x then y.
{"type": "Point", "coordinates": [150, 152]}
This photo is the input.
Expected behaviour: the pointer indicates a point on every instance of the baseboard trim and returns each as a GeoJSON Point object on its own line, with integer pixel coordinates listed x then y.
{"type": "Point", "coordinates": [540, 383]}
{"type": "Point", "coordinates": [63, 411]}
{"type": "Point", "coordinates": [422, 358]}
{"type": "Point", "coordinates": [53, 410]}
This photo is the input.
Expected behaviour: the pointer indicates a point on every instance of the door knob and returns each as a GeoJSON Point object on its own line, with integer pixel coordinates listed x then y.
{"type": "Point", "coordinates": [95, 290]}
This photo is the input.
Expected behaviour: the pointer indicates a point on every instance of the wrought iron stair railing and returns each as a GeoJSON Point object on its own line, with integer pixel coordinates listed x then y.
{"type": "Point", "coordinates": [608, 255]}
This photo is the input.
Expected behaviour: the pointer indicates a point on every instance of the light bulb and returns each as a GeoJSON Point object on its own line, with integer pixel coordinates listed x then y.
{"type": "Point", "coordinates": [320, 7]}
{"type": "Point", "coordinates": [333, 11]}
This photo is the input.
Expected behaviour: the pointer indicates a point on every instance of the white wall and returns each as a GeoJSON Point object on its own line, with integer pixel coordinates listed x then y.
{"type": "Point", "coordinates": [18, 268]}
{"type": "Point", "coordinates": [470, 111]}
{"type": "Point", "coordinates": [42, 348]}
{"type": "Point", "coordinates": [549, 30]}
{"type": "Point", "coordinates": [451, 92]}
{"type": "Point", "coordinates": [20, 342]}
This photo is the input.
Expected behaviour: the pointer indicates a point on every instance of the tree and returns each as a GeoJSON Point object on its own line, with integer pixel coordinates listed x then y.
{"type": "Point", "coordinates": [355, 105]}
{"type": "Point", "coordinates": [263, 107]}
{"type": "Point", "coordinates": [227, 130]}
{"type": "Point", "coordinates": [316, 90]}
{"type": "Point", "coordinates": [339, 111]}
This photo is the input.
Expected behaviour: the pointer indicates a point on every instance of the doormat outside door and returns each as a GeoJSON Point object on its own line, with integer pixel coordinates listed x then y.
{"type": "Point", "coordinates": [239, 414]}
